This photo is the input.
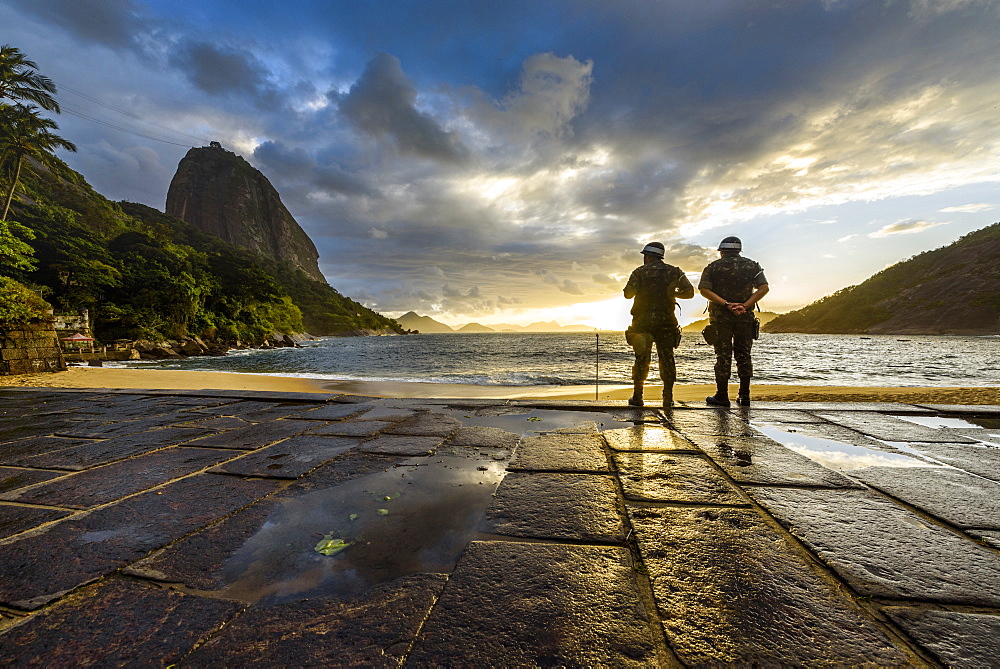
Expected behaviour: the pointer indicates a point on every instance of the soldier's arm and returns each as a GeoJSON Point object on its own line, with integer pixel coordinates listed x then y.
{"type": "Point", "coordinates": [757, 294]}
{"type": "Point", "coordinates": [632, 287]}
{"type": "Point", "coordinates": [683, 288]}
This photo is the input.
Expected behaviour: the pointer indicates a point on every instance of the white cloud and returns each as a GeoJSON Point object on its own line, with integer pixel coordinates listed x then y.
{"type": "Point", "coordinates": [968, 208]}
{"type": "Point", "coordinates": [847, 238]}
{"type": "Point", "coordinates": [906, 227]}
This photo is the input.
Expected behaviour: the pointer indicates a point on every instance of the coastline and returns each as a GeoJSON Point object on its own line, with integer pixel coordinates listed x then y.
{"type": "Point", "coordinates": [151, 379]}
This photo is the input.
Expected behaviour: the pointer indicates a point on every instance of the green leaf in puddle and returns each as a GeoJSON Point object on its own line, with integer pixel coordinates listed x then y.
{"type": "Point", "coordinates": [330, 546]}
{"type": "Point", "coordinates": [353, 516]}
{"type": "Point", "coordinates": [383, 512]}
{"type": "Point", "coordinates": [533, 418]}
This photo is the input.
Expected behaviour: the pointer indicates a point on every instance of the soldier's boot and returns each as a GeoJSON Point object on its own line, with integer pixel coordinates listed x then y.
{"type": "Point", "coordinates": [636, 399]}
{"type": "Point", "coordinates": [721, 396]}
{"type": "Point", "coordinates": [743, 397]}
{"type": "Point", "coordinates": [668, 397]}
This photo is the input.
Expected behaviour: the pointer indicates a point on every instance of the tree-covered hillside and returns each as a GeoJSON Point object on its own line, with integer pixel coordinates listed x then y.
{"type": "Point", "coordinates": [951, 290]}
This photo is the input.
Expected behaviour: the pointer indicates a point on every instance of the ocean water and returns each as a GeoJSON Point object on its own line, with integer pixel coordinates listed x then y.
{"type": "Point", "coordinates": [510, 359]}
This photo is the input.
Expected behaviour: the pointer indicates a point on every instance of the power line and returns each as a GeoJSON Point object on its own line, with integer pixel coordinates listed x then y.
{"type": "Point", "coordinates": [73, 112]}
{"type": "Point", "coordinates": [129, 114]}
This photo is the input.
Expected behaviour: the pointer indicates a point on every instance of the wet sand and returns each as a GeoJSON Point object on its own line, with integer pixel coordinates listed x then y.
{"type": "Point", "coordinates": [147, 379]}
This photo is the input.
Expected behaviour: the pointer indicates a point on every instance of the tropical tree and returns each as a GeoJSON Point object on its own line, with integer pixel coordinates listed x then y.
{"type": "Point", "coordinates": [25, 134]}
{"type": "Point", "coordinates": [20, 80]}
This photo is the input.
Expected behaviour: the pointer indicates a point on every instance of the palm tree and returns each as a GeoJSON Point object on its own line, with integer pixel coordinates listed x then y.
{"type": "Point", "coordinates": [26, 134]}
{"type": "Point", "coordinates": [20, 80]}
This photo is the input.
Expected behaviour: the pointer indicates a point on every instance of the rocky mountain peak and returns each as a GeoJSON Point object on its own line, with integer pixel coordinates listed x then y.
{"type": "Point", "coordinates": [221, 194]}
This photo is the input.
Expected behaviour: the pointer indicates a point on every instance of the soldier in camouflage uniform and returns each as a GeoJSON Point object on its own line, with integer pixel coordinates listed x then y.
{"type": "Point", "coordinates": [733, 285]}
{"type": "Point", "coordinates": [655, 285]}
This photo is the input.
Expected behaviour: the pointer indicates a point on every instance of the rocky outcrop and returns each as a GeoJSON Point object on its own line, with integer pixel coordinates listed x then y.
{"type": "Point", "coordinates": [951, 290]}
{"type": "Point", "coordinates": [221, 194]}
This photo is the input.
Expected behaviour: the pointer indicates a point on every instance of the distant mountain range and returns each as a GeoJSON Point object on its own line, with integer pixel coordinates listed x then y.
{"type": "Point", "coordinates": [763, 316]}
{"type": "Point", "coordinates": [425, 324]}
{"type": "Point", "coordinates": [951, 290]}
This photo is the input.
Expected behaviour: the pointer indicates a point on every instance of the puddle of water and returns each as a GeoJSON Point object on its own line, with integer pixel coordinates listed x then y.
{"type": "Point", "coordinates": [532, 423]}
{"type": "Point", "coordinates": [838, 455]}
{"type": "Point", "coordinates": [939, 422]}
{"type": "Point", "coordinates": [414, 518]}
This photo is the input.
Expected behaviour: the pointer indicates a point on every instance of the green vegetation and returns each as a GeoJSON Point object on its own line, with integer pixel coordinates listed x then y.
{"type": "Point", "coordinates": [19, 304]}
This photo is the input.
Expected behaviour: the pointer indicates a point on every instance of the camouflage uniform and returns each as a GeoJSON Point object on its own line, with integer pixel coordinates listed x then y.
{"type": "Point", "coordinates": [733, 278]}
{"type": "Point", "coordinates": [653, 320]}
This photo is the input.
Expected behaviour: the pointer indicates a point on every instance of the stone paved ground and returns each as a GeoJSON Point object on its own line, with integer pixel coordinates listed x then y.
{"type": "Point", "coordinates": [232, 528]}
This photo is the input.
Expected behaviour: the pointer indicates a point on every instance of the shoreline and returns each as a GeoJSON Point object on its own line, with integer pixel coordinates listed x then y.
{"type": "Point", "coordinates": [157, 379]}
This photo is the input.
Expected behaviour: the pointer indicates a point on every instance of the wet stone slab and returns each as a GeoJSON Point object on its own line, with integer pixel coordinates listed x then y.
{"type": "Point", "coordinates": [17, 451]}
{"type": "Point", "coordinates": [218, 424]}
{"type": "Point", "coordinates": [884, 550]}
{"type": "Point", "coordinates": [40, 567]}
{"type": "Point", "coordinates": [401, 445]}
{"type": "Point", "coordinates": [766, 462]}
{"type": "Point", "coordinates": [661, 477]}
{"type": "Point", "coordinates": [426, 424]}
{"type": "Point", "coordinates": [23, 428]}
{"type": "Point", "coordinates": [992, 538]}
{"type": "Point", "coordinates": [968, 409]}
{"type": "Point", "coordinates": [959, 498]}
{"type": "Point", "coordinates": [116, 623]}
{"type": "Point", "coordinates": [530, 604]}
{"type": "Point", "coordinates": [101, 485]}
{"type": "Point", "coordinates": [890, 428]}
{"type": "Point", "coordinates": [371, 630]}
{"type": "Point", "coordinates": [755, 415]}
{"type": "Point", "coordinates": [732, 591]}
{"type": "Point", "coordinates": [561, 452]}
{"type": "Point", "coordinates": [956, 639]}
{"type": "Point", "coordinates": [488, 438]}
{"type": "Point", "coordinates": [254, 412]}
{"type": "Point", "coordinates": [12, 478]}
{"type": "Point", "coordinates": [978, 459]}
{"type": "Point", "coordinates": [255, 436]}
{"type": "Point", "coordinates": [290, 458]}
{"type": "Point", "coordinates": [94, 453]}
{"type": "Point", "coordinates": [116, 428]}
{"type": "Point", "coordinates": [331, 412]}
{"type": "Point", "coordinates": [652, 438]}
{"type": "Point", "coordinates": [15, 519]}
{"type": "Point", "coordinates": [887, 407]}
{"type": "Point", "coordinates": [708, 422]}
{"type": "Point", "coordinates": [388, 413]}
{"type": "Point", "coordinates": [360, 428]}
{"type": "Point", "coordinates": [580, 507]}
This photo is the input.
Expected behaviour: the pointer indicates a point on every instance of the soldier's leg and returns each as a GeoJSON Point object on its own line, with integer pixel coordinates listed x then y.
{"type": "Point", "coordinates": [668, 367]}
{"type": "Point", "coordinates": [742, 346]}
{"type": "Point", "coordinates": [642, 345]}
{"type": "Point", "coordinates": [723, 363]}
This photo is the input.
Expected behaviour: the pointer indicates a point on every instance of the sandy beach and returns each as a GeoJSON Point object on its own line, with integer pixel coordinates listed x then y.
{"type": "Point", "coordinates": [146, 379]}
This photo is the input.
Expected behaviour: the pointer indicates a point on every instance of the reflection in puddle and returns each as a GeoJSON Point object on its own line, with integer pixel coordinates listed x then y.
{"type": "Point", "coordinates": [414, 518]}
{"type": "Point", "coordinates": [939, 422]}
{"type": "Point", "coordinates": [531, 423]}
{"type": "Point", "coordinates": [971, 427]}
{"type": "Point", "coordinates": [836, 454]}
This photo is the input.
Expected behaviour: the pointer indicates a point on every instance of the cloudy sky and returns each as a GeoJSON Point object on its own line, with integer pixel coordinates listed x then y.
{"type": "Point", "coordinates": [504, 162]}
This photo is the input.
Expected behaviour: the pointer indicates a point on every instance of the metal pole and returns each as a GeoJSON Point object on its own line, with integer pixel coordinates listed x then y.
{"type": "Point", "coordinates": [597, 364]}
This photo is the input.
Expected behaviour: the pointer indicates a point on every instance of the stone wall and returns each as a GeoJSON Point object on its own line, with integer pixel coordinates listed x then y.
{"type": "Point", "coordinates": [30, 348]}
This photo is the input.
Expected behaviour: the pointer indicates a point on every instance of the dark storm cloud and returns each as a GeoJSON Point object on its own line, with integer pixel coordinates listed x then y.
{"type": "Point", "coordinates": [113, 23]}
{"type": "Point", "coordinates": [299, 170]}
{"type": "Point", "coordinates": [219, 70]}
{"type": "Point", "coordinates": [382, 104]}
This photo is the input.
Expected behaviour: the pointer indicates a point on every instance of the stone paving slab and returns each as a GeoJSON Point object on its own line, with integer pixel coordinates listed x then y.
{"type": "Point", "coordinates": [289, 459]}
{"type": "Point", "coordinates": [973, 409]}
{"type": "Point", "coordinates": [352, 428]}
{"type": "Point", "coordinates": [531, 604]}
{"type": "Point", "coordinates": [94, 453]}
{"type": "Point", "coordinates": [824, 430]}
{"type": "Point", "coordinates": [12, 478]}
{"type": "Point", "coordinates": [218, 424]}
{"type": "Point", "coordinates": [389, 413]}
{"type": "Point", "coordinates": [956, 639]}
{"type": "Point", "coordinates": [252, 411]}
{"type": "Point", "coordinates": [115, 428]}
{"type": "Point", "coordinates": [763, 461]}
{"type": "Point", "coordinates": [755, 415]}
{"type": "Point", "coordinates": [884, 550]}
{"type": "Point", "coordinates": [709, 422]}
{"type": "Point", "coordinates": [579, 507]}
{"type": "Point", "coordinates": [653, 438]}
{"type": "Point", "coordinates": [401, 445]}
{"type": "Point", "coordinates": [115, 623]}
{"type": "Point", "coordinates": [492, 438]}
{"type": "Point", "coordinates": [101, 485]}
{"type": "Point", "coordinates": [661, 477]}
{"type": "Point", "coordinates": [890, 428]}
{"type": "Point", "coordinates": [992, 538]}
{"type": "Point", "coordinates": [255, 436]}
{"type": "Point", "coordinates": [14, 451]}
{"type": "Point", "coordinates": [12, 429]}
{"type": "Point", "coordinates": [962, 499]}
{"type": "Point", "coordinates": [15, 519]}
{"type": "Point", "coordinates": [39, 567]}
{"type": "Point", "coordinates": [887, 407]}
{"type": "Point", "coordinates": [373, 630]}
{"type": "Point", "coordinates": [426, 424]}
{"type": "Point", "coordinates": [330, 412]}
{"type": "Point", "coordinates": [733, 591]}
{"type": "Point", "coordinates": [976, 459]}
{"type": "Point", "coordinates": [561, 452]}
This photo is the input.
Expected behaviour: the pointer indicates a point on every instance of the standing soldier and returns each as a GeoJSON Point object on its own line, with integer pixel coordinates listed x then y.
{"type": "Point", "coordinates": [655, 285]}
{"type": "Point", "coordinates": [732, 285]}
